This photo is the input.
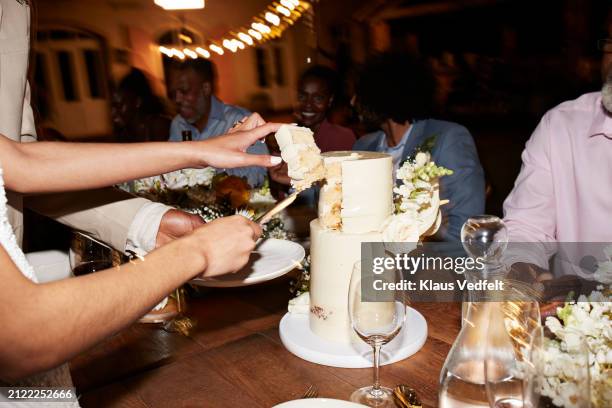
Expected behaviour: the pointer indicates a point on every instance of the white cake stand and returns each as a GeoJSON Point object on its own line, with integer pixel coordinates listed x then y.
{"type": "Point", "coordinates": [297, 337]}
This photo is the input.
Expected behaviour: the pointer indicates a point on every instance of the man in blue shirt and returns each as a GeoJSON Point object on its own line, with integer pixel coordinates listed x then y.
{"type": "Point", "coordinates": [392, 92]}
{"type": "Point", "coordinates": [202, 116]}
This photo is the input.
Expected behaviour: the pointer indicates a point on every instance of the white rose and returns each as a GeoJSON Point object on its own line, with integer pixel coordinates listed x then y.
{"type": "Point", "coordinates": [409, 206]}
{"type": "Point", "coordinates": [199, 177]}
{"type": "Point", "coordinates": [401, 228]}
{"type": "Point", "coordinates": [404, 190]}
{"type": "Point", "coordinates": [603, 273]}
{"type": "Point", "coordinates": [148, 184]}
{"type": "Point", "coordinates": [176, 180]}
{"type": "Point", "coordinates": [406, 172]}
{"type": "Point", "coordinates": [422, 198]}
{"type": "Point", "coordinates": [421, 159]}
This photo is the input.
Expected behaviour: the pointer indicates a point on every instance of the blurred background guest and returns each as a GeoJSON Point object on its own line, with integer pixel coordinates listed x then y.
{"type": "Point", "coordinates": [316, 91]}
{"type": "Point", "coordinates": [201, 115]}
{"type": "Point", "coordinates": [137, 113]}
{"type": "Point", "coordinates": [394, 94]}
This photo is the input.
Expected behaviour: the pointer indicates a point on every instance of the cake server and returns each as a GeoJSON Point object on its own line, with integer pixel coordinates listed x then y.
{"type": "Point", "coordinates": [277, 208]}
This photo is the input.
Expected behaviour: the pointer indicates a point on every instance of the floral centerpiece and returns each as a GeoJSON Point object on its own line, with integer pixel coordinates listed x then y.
{"type": "Point", "coordinates": [587, 320]}
{"type": "Point", "coordinates": [210, 195]}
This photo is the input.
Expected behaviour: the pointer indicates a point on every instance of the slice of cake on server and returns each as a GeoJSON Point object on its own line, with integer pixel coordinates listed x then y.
{"type": "Point", "coordinates": [302, 155]}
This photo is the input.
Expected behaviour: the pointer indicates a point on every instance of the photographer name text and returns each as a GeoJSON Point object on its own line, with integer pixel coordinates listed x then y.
{"type": "Point", "coordinates": [430, 285]}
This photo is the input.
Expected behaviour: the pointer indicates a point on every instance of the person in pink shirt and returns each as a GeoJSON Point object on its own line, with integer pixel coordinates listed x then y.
{"type": "Point", "coordinates": [564, 190]}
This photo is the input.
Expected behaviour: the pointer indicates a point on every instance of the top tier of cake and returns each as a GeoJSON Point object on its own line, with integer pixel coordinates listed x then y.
{"type": "Point", "coordinates": [357, 195]}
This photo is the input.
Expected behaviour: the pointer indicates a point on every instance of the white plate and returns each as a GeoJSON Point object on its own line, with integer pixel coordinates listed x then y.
{"type": "Point", "coordinates": [297, 337]}
{"type": "Point", "coordinates": [272, 258]}
{"type": "Point", "coordinates": [318, 402]}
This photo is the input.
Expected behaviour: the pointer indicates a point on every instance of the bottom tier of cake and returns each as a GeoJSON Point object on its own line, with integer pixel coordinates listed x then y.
{"type": "Point", "coordinates": [333, 255]}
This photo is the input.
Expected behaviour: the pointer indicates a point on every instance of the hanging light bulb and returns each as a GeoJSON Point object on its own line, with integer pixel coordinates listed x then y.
{"type": "Point", "coordinates": [185, 38]}
{"type": "Point", "coordinates": [230, 45]}
{"type": "Point", "coordinates": [203, 52]}
{"type": "Point", "coordinates": [166, 51]}
{"type": "Point", "coordinates": [288, 3]}
{"type": "Point", "coordinates": [190, 53]}
{"type": "Point", "coordinates": [178, 53]}
{"type": "Point", "coordinates": [255, 34]}
{"type": "Point", "coordinates": [246, 38]}
{"type": "Point", "coordinates": [284, 11]}
{"type": "Point", "coordinates": [262, 28]}
{"type": "Point", "coordinates": [217, 49]}
{"type": "Point", "coordinates": [239, 44]}
{"type": "Point", "coordinates": [180, 4]}
{"type": "Point", "coordinates": [272, 18]}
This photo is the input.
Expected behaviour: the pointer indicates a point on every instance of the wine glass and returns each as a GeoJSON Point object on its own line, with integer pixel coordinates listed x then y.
{"type": "Point", "coordinates": [532, 370]}
{"type": "Point", "coordinates": [87, 255]}
{"type": "Point", "coordinates": [377, 316]}
{"type": "Point", "coordinates": [513, 332]}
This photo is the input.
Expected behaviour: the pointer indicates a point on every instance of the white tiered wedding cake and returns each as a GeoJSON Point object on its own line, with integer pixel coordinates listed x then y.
{"type": "Point", "coordinates": [356, 205]}
{"type": "Point", "coordinates": [355, 200]}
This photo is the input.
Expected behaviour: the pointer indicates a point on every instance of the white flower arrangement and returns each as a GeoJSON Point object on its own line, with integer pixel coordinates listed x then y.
{"type": "Point", "coordinates": [176, 180]}
{"type": "Point", "coordinates": [587, 320]}
{"type": "Point", "coordinates": [187, 178]}
{"type": "Point", "coordinates": [148, 184]}
{"type": "Point", "coordinates": [417, 200]}
{"type": "Point", "coordinates": [193, 190]}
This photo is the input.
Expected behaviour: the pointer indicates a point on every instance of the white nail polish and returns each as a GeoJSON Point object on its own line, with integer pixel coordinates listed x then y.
{"type": "Point", "coordinates": [276, 160]}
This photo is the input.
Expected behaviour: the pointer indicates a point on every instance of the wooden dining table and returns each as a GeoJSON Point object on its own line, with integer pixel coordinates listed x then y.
{"type": "Point", "coordinates": [234, 358]}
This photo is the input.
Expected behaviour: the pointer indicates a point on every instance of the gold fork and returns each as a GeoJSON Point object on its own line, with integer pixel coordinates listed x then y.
{"type": "Point", "coordinates": [311, 392]}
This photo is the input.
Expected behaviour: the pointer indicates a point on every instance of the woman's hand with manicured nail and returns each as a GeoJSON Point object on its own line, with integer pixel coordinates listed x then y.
{"type": "Point", "coordinates": [229, 151]}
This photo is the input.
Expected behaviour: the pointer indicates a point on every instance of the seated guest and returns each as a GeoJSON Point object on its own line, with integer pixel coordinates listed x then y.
{"type": "Point", "coordinates": [202, 116]}
{"type": "Point", "coordinates": [394, 93]}
{"type": "Point", "coordinates": [137, 114]}
{"type": "Point", "coordinates": [316, 89]}
{"type": "Point", "coordinates": [562, 193]}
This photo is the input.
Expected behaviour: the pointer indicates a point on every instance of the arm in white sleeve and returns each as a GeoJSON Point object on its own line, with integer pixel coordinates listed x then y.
{"type": "Point", "coordinates": [142, 233]}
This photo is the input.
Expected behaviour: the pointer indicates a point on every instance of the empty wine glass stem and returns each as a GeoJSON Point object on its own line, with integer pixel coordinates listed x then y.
{"type": "Point", "coordinates": [376, 392]}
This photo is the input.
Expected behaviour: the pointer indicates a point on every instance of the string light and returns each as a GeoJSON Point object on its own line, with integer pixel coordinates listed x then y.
{"type": "Point", "coordinates": [217, 49]}
{"type": "Point", "coordinates": [255, 34]}
{"type": "Point", "coordinates": [190, 53]}
{"type": "Point", "coordinates": [272, 18]}
{"type": "Point", "coordinates": [203, 52]}
{"type": "Point", "coordinates": [269, 24]}
{"type": "Point", "coordinates": [246, 38]}
{"type": "Point", "coordinates": [284, 11]}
